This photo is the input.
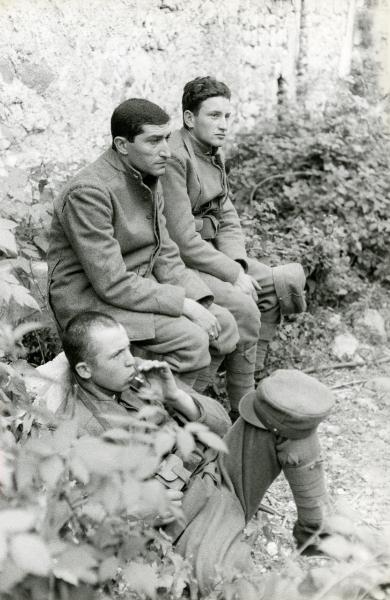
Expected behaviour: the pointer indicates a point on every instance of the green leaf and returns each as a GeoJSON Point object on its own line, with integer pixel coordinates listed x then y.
{"type": "Point", "coordinates": [141, 578]}
{"type": "Point", "coordinates": [213, 440]}
{"type": "Point", "coordinates": [31, 554]}
{"type": "Point", "coordinates": [51, 469]}
{"type": "Point", "coordinates": [337, 546]}
{"type": "Point", "coordinates": [76, 564]}
{"type": "Point", "coordinates": [185, 443]}
{"type": "Point", "coordinates": [131, 492]}
{"type": "Point", "coordinates": [8, 243]}
{"type": "Point", "coordinates": [108, 568]}
{"type": "Point", "coordinates": [98, 456]}
{"type": "Point", "coordinates": [64, 435]}
{"type": "Point", "coordinates": [164, 442]}
{"type": "Point", "coordinates": [17, 520]}
{"type": "Point", "coordinates": [79, 470]}
{"type": "Point", "coordinates": [94, 511]}
{"type": "Point", "coordinates": [117, 435]}
{"type": "Point", "coordinates": [10, 575]}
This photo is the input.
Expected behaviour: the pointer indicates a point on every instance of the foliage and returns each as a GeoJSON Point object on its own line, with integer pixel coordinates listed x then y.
{"type": "Point", "coordinates": [23, 278]}
{"type": "Point", "coordinates": [74, 513]}
{"type": "Point", "coordinates": [316, 188]}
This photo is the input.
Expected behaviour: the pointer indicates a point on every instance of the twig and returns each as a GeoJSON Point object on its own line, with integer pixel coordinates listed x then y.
{"type": "Point", "coordinates": [281, 176]}
{"type": "Point", "coordinates": [347, 365]}
{"type": "Point", "coordinates": [270, 511]}
{"type": "Point", "coordinates": [348, 383]}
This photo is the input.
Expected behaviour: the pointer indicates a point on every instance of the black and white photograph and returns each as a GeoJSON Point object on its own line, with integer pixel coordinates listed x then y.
{"type": "Point", "coordinates": [194, 299]}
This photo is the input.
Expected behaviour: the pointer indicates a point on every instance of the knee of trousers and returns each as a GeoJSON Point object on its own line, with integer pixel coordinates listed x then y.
{"type": "Point", "coordinates": [229, 335]}
{"type": "Point", "coordinates": [248, 321]}
{"type": "Point", "coordinates": [194, 353]}
{"type": "Point", "coordinates": [289, 282]}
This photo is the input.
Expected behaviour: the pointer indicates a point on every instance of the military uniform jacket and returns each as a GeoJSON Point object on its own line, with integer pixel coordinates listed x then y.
{"type": "Point", "coordinates": [194, 184]}
{"type": "Point", "coordinates": [110, 250]}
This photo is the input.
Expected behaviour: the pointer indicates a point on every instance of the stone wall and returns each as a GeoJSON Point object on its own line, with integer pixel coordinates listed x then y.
{"type": "Point", "coordinates": [65, 64]}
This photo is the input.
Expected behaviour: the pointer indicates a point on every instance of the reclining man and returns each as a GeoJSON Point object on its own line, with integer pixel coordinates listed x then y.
{"type": "Point", "coordinates": [203, 222]}
{"type": "Point", "coordinates": [110, 251]}
{"type": "Point", "coordinates": [276, 432]}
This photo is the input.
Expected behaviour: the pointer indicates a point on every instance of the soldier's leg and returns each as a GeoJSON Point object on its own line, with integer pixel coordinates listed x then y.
{"type": "Point", "coordinates": [224, 345]}
{"type": "Point", "coordinates": [182, 343]}
{"type": "Point", "coordinates": [240, 364]}
{"type": "Point", "coordinates": [303, 468]}
{"type": "Point", "coordinates": [251, 465]}
{"type": "Point", "coordinates": [282, 293]}
{"type": "Point", "coordinates": [256, 457]}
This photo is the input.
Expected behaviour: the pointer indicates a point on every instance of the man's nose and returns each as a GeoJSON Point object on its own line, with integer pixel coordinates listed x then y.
{"type": "Point", "coordinates": [222, 123]}
{"type": "Point", "coordinates": [129, 359]}
{"type": "Point", "coordinates": [164, 150]}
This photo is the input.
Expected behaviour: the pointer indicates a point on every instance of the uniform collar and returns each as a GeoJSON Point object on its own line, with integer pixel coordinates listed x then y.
{"type": "Point", "coordinates": [115, 160]}
{"type": "Point", "coordinates": [200, 148]}
{"type": "Point", "coordinates": [96, 391]}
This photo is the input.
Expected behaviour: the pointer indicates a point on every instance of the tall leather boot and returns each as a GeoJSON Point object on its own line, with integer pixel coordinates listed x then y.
{"type": "Point", "coordinates": [267, 332]}
{"type": "Point", "coordinates": [240, 368]}
{"type": "Point", "coordinates": [207, 375]}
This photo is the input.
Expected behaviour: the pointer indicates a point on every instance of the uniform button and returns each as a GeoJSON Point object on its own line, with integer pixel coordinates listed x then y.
{"type": "Point", "coordinates": [149, 216]}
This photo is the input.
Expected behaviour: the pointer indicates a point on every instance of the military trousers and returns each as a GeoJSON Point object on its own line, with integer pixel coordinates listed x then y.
{"type": "Point", "coordinates": [228, 491]}
{"type": "Point", "coordinates": [185, 346]}
{"type": "Point", "coordinates": [282, 292]}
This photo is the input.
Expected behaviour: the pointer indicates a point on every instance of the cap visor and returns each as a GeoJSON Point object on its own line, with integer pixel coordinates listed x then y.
{"type": "Point", "coordinates": [247, 412]}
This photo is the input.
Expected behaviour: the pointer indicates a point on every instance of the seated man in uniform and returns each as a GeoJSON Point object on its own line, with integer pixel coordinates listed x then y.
{"type": "Point", "coordinates": [110, 250]}
{"type": "Point", "coordinates": [203, 222]}
{"type": "Point", "coordinates": [276, 432]}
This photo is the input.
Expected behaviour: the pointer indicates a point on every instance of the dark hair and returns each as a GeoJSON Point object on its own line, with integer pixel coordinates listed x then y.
{"type": "Point", "coordinates": [76, 338]}
{"type": "Point", "coordinates": [129, 117]}
{"type": "Point", "coordinates": [200, 89]}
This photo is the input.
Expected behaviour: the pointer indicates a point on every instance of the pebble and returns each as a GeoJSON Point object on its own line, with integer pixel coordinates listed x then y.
{"type": "Point", "coordinates": [272, 549]}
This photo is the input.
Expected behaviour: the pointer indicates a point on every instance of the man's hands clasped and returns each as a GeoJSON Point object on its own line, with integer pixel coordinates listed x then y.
{"type": "Point", "coordinates": [202, 317]}
{"type": "Point", "coordinates": [248, 285]}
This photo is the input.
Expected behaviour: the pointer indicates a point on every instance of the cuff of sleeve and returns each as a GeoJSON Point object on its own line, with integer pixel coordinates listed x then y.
{"type": "Point", "coordinates": [172, 301]}
{"type": "Point", "coordinates": [202, 411]}
{"type": "Point", "coordinates": [243, 263]}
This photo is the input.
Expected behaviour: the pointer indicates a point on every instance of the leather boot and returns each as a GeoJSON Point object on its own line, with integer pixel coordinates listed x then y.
{"type": "Point", "coordinates": [267, 332]}
{"type": "Point", "coordinates": [240, 366]}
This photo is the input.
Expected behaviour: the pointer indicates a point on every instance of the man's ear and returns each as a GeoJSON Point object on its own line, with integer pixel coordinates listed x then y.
{"type": "Point", "coordinates": [120, 144]}
{"type": "Point", "coordinates": [188, 118]}
{"type": "Point", "coordinates": [83, 370]}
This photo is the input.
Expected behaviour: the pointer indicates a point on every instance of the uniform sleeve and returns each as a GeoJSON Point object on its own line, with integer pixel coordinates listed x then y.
{"type": "Point", "coordinates": [230, 238]}
{"type": "Point", "coordinates": [195, 252]}
{"type": "Point", "coordinates": [86, 219]}
{"type": "Point", "coordinates": [212, 412]}
{"type": "Point", "coordinates": [169, 267]}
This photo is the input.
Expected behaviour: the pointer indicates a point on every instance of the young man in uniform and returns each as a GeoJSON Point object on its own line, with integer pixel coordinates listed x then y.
{"type": "Point", "coordinates": [203, 222]}
{"type": "Point", "coordinates": [110, 250]}
{"type": "Point", "coordinates": [221, 492]}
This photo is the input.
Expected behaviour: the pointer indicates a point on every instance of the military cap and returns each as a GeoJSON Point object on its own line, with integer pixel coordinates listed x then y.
{"type": "Point", "coordinates": [287, 403]}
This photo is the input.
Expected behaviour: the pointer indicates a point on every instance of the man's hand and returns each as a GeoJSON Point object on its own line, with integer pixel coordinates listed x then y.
{"type": "Point", "coordinates": [161, 388]}
{"type": "Point", "coordinates": [246, 284]}
{"type": "Point", "coordinates": [160, 383]}
{"type": "Point", "coordinates": [202, 317]}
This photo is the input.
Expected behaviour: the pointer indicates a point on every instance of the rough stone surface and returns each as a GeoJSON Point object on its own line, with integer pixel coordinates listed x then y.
{"type": "Point", "coordinates": [371, 326]}
{"type": "Point", "coordinates": [345, 346]}
{"type": "Point", "coordinates": [65, 65]}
